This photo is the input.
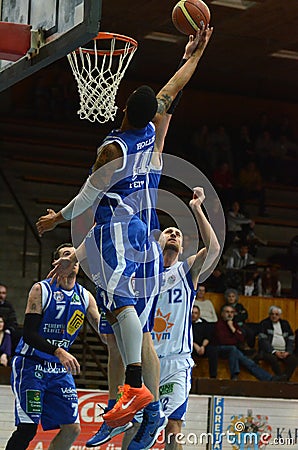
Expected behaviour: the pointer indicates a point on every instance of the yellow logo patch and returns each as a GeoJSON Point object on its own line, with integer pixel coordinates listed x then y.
{"type": "Point", "coordinates": [75, 322]}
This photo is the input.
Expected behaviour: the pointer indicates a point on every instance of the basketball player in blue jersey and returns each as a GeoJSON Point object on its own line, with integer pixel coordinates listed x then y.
{"type": "Point", "coordinates": [42, 369]}
{"type": "Point", "coordinates": [116, 245]}
{"type": "Point", "coordinates": [145, 306]}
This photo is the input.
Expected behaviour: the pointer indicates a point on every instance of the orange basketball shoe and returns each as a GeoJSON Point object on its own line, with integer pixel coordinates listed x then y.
{"type": "Point", "coordinates": [130, 402]}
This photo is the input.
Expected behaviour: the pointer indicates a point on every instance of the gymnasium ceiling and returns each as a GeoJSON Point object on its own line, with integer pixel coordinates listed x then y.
{"type": "Point", "coordinates": [238, 58]}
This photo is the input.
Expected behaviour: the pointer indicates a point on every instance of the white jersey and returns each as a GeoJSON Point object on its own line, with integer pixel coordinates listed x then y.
{"type": "Point", "coordinates": [172, 331]}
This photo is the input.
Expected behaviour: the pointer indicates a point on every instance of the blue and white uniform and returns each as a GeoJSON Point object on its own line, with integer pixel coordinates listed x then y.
{"type": "Point", "coordinates": [119, 242]}
{"type": "Point", "coordinates": [173, 340]}
{"type": "Point", "coordinates": [44, 391]}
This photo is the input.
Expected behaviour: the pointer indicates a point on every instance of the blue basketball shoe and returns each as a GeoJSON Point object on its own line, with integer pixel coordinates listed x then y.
{"type": "Point", "coordinates": [106, 433]}
{"type": "Point", "coordinates": [153, 423]}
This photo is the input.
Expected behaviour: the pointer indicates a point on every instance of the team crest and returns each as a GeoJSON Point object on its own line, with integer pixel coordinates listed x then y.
{"type": "Point", "coordinates": [75, 322]}
{"type": "Point", "coordinates": [58, 296]}
{"type": "Point", "coordinates": [75, 299]}
{"type": "Point", "coordinates": [171, 279]}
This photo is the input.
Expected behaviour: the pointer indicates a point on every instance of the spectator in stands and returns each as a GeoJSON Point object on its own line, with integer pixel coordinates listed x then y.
{"type": "Point", "coordinates": [206, 306]}
{"type": "Point", "coordinates": [240, 258]}
{"type": "Point", "coordinates": [227, 337]}
{"type": "Point", "coordinates": [221, 146]}
{"type": "Point", "coordinates": [238, 224]}
{"type": "Point", "coordinates": [202, 331]}
{"type": "Point", "coordinates": [251, 185]}
{"type": "Point", "coordinates": [5, 343]}
{"type": "Point", "coordinates": [216, 282]}
{"type": "Point", "coordinates": [276, 342]}
{"type": "Point", "coordinates": [7, 310]}
{"type": "Point", "coordinates": [269, 284]}
{"type": "Point", "coordinates": [240, 316]}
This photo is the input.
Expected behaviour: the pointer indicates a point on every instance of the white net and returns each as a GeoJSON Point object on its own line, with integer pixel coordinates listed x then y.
{"type": "Point", "coordinates": [98, 77]}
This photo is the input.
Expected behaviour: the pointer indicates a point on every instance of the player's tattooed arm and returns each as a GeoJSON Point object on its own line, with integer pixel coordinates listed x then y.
{"type": "Point", "coordinates": [163, 103]}
{"type": "Point", "coordinates": [34, 304]}
{"type": "Point", "coordinates": [108, 160]}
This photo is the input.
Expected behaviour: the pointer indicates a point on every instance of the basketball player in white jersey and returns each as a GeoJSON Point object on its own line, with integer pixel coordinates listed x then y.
{"type": "Point", "coordinates": [173, 341]}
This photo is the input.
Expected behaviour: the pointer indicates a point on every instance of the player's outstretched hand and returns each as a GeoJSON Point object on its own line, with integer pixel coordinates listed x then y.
{"type": "Point", "coordinates": [69, 362]}
{"type": "Point", "coordinates": [63, 267]}
{"type": "Point", "coordinates": [200, 40]}
{"type": "Point", "coordinates": [47, 222]}
{"type": "Point", "coordinates": [198, 197]}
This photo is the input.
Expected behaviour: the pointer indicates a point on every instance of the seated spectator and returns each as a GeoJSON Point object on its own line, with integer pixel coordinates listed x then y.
{"type": "Point", "coordinates": [227, 337]}
{"type": "Point", "coordinates": [239, 263]}
{"type": "Point", "coordinates": [276, 343]}
{"type": "Point", "coordinates": [251, 185]}
{"type": "Point", "coordinates": [240, 316]}
{"type": "Point", "coordinates": [240, 258]}
{"type": "Point", "coordinates": [202, 331]}
{"type": "Point", "coordinates": [7, 310]}
{"type": "Point", "coordinates": [206, 306]}
{"type": "Point", "coordinates": [269, 284]}
{"type": "Point", "coordinates": [238, 224]}
{"type": "Point", "coordinates": [5, 344]}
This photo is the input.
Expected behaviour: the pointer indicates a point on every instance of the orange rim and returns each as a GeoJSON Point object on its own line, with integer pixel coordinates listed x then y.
{"type": "Point", "coordinates": [109, 36]}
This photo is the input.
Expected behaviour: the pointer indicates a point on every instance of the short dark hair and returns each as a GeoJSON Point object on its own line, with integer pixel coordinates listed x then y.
{"type": "Point", "coordinates": [3, 285]}
{"type": "Point", "coordinates": [196, 306]}
{"type": "Point", "coordinates": [56, 254]}
{"type": "Point", "coordinates": [141, 107]}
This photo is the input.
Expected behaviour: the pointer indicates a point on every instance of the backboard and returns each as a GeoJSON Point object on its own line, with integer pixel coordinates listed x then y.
{"type": "Point", "coordinates": [65, 25]}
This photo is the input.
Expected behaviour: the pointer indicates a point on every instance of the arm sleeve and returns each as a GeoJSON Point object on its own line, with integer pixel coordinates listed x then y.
{"type": "Point", "coordinates": [31, 334]}
{"type": "Point", "coordinates": [81, 202]}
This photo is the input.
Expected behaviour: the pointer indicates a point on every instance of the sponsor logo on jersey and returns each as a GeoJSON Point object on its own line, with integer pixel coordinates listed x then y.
{"type": "Point", "coordinates": [75, 322]}
{"type": "Point", "coordinates": [162, 325]}
{"type": "Point", "coordinates": [75, 299]}
{"type": "Point", "coordinates": [54, 328]}
{"type": "Point", "coordinates": [64, 343]}
{"type": "Point", "coordinates": [33, 401]}
{"type": "Point", "coordinates": [58, 296]}
{"type": "Point", "coordinates": [38, 374]}
{"type": "Point", "coordinates": [166, 389]}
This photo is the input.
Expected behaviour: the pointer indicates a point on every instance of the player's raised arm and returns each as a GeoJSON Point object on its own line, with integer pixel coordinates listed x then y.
{"type": "Point", "coordinates": [212, 247]}
{"type": "Point", "coordinates": [197, 46]}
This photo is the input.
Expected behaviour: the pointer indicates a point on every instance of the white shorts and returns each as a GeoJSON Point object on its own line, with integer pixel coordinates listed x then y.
{"type": "Point", "coordinates": [174, 387]}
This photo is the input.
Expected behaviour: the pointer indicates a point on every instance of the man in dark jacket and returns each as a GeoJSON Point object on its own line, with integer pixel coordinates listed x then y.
{"type": "Point", "coordinates": [202, 331]}
{"type": "Point", "coordinates": [276, 342]}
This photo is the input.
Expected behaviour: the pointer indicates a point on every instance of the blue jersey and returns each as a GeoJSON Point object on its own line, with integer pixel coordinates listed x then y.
{"type": "Point", "coordinates": [63, 315]}
{"type": "Point", "coordinates": [128, 184]}
{"type": "Point", "coordinates": [148, 207]}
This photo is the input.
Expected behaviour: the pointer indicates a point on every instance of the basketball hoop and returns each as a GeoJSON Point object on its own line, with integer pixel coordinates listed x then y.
{"type": "Point", "coordinates": [98, 72]}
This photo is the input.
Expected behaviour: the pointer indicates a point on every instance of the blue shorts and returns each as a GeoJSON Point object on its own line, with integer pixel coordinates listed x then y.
{"type": "Point", "coordinates": [44, 392]}
{"type": "Point", "coordinates": [114, 252]}
{"type": "Point", "coordinates": [147, 280]}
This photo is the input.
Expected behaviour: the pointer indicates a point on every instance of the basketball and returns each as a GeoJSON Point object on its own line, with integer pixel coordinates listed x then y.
{"type": "Point", "coordinates": [190, 15]}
